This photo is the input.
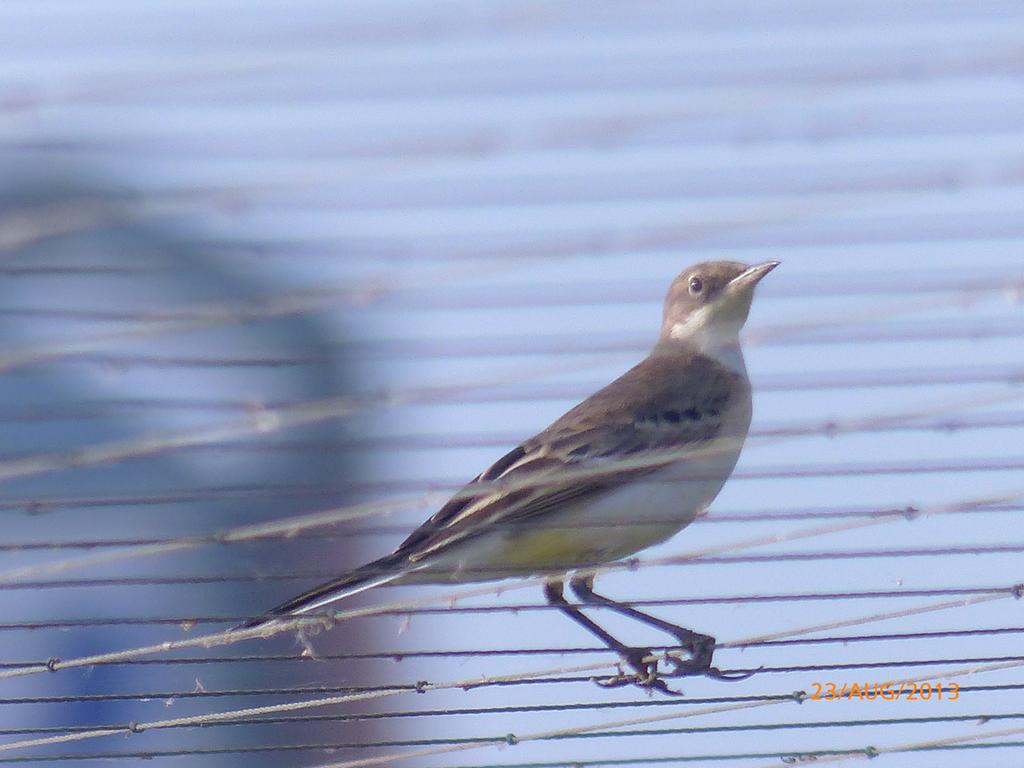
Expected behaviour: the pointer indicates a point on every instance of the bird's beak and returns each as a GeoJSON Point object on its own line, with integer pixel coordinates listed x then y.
{"type": "Point", "coordinates": [752, 276]}
{"type": "Point", "coordinates": [745, 281]}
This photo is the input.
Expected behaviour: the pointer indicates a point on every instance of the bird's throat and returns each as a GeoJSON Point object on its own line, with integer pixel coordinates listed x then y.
{"type": "Point", "coordinates": [715, 338]}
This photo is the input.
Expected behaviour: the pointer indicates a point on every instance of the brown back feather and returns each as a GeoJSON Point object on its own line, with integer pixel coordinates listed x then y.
{"type": "Point", "coordinates": [686, 396]}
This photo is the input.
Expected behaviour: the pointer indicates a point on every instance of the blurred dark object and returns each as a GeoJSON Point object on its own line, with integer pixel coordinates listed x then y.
{"type": "Point", "coordinates": [90, 279]}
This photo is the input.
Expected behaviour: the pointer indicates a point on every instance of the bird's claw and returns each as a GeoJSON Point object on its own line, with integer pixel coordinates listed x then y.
{"type": "Point", "coordinates": [649, 681]}
{"type": "Point", "coordinates": [698, 666]}
{"type": "Point", "coordinates": [716, 674]}
{"type": "Point", "coordinates": [646, 674]}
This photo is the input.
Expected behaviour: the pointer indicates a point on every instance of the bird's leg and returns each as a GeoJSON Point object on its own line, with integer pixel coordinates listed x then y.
{"type": "Point", "coordinates": [646, 671]}
{"type": "Point", "coordinates": [700, 647]}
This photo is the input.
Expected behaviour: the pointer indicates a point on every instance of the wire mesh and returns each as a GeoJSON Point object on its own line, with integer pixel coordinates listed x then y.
{"type": "Point", "coordinates": [360, 251]}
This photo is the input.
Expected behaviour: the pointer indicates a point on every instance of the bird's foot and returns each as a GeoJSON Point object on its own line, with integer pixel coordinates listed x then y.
{"type": "Point", "coordinates": [647, 674]}
{"type": "Point", "coordinates": [644, 672]}
{"type": "Point", "coordinates": [701, 649]}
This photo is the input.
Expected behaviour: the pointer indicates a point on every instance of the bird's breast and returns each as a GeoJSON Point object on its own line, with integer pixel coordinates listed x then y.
{"type": "Point", "coordinates": [623, 521]}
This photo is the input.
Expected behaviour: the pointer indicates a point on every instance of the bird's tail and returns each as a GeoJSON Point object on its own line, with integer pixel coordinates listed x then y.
{"type": "Point", "coordinates": [382, 571]}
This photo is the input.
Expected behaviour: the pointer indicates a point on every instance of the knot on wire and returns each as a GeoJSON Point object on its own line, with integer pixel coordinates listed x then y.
{"type": "Point", "coordinates": [52, 663]}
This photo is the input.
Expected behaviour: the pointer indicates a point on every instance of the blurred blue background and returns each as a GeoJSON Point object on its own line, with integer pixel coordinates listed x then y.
{"type": "Point", "coordinates": [463, 217]}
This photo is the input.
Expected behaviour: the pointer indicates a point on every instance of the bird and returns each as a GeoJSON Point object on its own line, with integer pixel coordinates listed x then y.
{"type": "Point", "coordinates": [625, 469]}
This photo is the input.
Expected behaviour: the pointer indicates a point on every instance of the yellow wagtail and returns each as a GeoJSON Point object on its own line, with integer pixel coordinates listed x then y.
{"type": "Point", "coordinates": [625, 469]}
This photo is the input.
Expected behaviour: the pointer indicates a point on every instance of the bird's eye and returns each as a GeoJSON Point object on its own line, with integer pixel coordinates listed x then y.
{"type": "Point", "coordinates": [696, 286]}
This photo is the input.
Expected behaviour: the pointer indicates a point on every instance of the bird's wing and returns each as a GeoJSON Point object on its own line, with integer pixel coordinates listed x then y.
{"type": "Point", "coordinates": [609, 439]}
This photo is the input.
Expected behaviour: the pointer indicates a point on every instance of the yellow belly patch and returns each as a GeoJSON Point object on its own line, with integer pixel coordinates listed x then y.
{"type": "Point", "coordinates": [560, 548]}
{"type": "Point", "coordinates": [551, 548]}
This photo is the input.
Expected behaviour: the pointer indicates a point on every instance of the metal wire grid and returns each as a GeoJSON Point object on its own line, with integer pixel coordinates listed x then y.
{"type": "Point", "coordinates": [944, 415]}
{"type": "Point", "coordinates": [900, 175]}
{"type": "Point", "coordinates": [553, 677]}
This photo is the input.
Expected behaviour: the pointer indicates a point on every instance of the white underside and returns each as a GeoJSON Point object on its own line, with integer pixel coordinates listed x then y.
{"type": "Point", "coordinates": [621, 522]}
{"type": "Point", "coordinates": [601, 529]}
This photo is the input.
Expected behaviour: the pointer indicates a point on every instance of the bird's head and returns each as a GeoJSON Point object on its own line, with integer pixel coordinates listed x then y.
{"type": "Point", "coordinates": [709, 302]}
